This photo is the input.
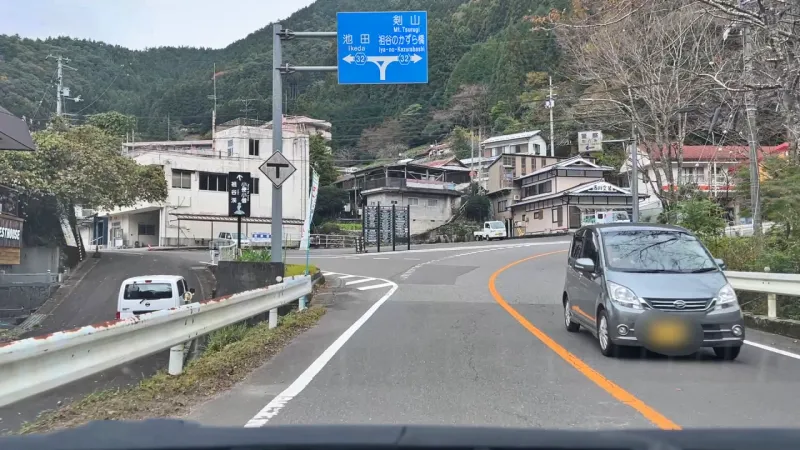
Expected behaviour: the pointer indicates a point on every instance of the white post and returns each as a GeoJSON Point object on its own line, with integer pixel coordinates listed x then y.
{"type": "Point", "coordinates": [772, 306]}
{"type": "Point", "coordinates": [176, 360]}
{"type": "Point", "coordinates": [273, 318]}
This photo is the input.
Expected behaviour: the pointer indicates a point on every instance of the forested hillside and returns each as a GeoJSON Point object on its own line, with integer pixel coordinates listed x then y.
{"type": "Point", "coordinates": [488, 69]}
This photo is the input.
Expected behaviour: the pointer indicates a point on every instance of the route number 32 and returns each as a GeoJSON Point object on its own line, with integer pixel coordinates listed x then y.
{"type": "Point", "coordinates": [404, 59]}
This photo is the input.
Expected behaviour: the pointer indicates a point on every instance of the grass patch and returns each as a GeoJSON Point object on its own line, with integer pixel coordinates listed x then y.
{"type": "Point", "coordinates": [163, 395]}
{"type": "Point", "coordinates": [291, 270]}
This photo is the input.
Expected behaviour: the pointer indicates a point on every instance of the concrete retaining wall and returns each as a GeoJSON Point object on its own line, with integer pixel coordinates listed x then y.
{"type": "Point", "coordinates": [238, 276]}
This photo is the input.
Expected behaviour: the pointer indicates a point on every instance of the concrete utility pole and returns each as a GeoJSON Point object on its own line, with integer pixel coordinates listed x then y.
{"type": "Point", "coordinates": [281, 34]}
{"type": "Point", "coordinates": [61, 91]}
{"type": "Point", "coordinates": [551, 105]}
{"type": "Point", "coordinates": [752, 138]}
{"type": "Point", "coordinates": [214, 111]}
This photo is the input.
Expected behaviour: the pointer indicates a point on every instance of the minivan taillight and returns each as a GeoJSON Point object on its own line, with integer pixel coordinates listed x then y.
{"type": "Point", "coordinates": [118, 317]}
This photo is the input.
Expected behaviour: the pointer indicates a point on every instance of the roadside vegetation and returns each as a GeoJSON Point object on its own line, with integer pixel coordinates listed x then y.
{"type": "Point", "coordinates": [231, 354]}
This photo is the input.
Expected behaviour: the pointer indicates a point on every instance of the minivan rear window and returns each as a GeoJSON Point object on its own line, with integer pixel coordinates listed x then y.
{"type": "Point", "coordinates": [147, 291]}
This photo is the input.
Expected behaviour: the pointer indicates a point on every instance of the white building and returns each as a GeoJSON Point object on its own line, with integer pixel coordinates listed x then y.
{"type": "Point", "coordinates": [528, 142]}
{"type": "Point", "coordinates": [306, 125]}
{"type": "Point", "coordinates": [196, 208]}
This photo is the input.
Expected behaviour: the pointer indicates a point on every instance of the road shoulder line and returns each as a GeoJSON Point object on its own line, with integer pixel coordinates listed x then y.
{"type": "Point", "coordinates": [276, 404]}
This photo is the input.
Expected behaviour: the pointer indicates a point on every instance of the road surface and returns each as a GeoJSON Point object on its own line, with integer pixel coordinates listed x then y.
{"type": "Point", "coordinates": [473, 335]}
{"type": "Point", "coordinates": [93, 300]}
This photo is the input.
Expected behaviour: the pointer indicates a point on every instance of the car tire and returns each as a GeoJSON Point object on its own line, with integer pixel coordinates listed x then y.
{"type": "Point", "coordinates": [571, 326]}
{"type": "Point", "coordinates": [727, 353]}
{"type": "Point", "coordinates": [607, 348]}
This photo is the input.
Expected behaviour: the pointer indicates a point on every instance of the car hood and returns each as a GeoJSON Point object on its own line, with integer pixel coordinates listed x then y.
{"type": "Point", "coordinates": [670, 285]}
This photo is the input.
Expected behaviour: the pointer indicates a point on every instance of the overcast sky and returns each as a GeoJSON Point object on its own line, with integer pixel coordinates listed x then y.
{"type": "Point", "coordinates": [140, 24]}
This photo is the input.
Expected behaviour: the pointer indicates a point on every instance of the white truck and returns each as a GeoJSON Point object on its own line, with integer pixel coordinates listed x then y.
{"type": "Point", "coordinates": [493, 229]}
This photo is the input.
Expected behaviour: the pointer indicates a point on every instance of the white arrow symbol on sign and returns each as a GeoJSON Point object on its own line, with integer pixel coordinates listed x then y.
{"type": "Point", "coordinates": [416, 58]}
{"type": "Point", "coordinates": [349, 59]}
{"type": "Point", "coordinates": [382, 62]}
{"type": "Point", "coordinates": [239, 177]}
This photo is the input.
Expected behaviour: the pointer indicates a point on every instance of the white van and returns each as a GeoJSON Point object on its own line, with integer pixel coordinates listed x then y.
{"type": "Point", "coordinates": [140, 295]}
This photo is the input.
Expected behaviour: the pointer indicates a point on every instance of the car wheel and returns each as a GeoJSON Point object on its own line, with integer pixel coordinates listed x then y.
{"type": "Point", "coordinates": [571, 326]}
{"type": "Point", "coordinates": [727, 353]}
{"type": "Point", "coordinates": [607, 348]}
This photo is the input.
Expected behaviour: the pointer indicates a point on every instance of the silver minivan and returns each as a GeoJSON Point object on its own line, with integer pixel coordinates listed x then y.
{"type": "Point", "coordinates": [652, 286]}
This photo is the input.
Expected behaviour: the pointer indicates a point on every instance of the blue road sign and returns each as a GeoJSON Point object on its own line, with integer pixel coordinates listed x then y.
{"type": "Point", "coordinates": [389, 47]}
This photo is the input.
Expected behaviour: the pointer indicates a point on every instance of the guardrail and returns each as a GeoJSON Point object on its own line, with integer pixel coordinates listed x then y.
{"type": "Point", "coordinates": [772, 284]}
{"type": "Point", "coordinates": [35, 365]}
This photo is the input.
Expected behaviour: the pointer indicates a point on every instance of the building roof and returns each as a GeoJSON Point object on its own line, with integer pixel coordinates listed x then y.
{"type": "Point", "coordinates": [512, 137]}
{"type": "Point", "coordinates": [14, 133]}
{"type": "Point", "coordinates": [167, 143]}
{"type": "Point", "coordinates": [722, 153]}
{"type": "Point", "coordinates": [588, 189]}
{"type": "Point", "coordinates": [566, 163]}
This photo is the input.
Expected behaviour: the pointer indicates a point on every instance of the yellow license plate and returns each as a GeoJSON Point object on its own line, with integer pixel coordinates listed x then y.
{"type": "Point", "coordinates": [669, 333]}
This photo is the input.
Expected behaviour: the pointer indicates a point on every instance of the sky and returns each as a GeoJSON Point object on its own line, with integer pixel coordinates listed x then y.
{"type": "Point", "coordinates": [140, 24]}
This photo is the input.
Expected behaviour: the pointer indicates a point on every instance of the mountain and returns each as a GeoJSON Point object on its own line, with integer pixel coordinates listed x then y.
{"type": "Point", "coordinates": [483, 56]}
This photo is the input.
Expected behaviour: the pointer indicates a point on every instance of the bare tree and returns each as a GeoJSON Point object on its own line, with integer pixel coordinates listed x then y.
{"type": "Point", "coordinates": [640, 62]}
{"type": "Point", "coordinates": [775, 55]}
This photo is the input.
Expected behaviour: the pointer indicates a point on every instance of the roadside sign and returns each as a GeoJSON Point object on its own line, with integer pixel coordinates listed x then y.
{"type": "Point", "coordinates": [277, 168]}
{"type": "Point", "coordinates": [387, 47]}
{"type": "Point", "coordinates": [590, 141]}
{"type": "Point", "coordinates": [239, 188]}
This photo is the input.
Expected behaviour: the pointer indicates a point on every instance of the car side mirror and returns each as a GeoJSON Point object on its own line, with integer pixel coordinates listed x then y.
{"type": "Point", "coordinates": [721, 264]}
{"type": "Point", "coordinates": [584, 265]}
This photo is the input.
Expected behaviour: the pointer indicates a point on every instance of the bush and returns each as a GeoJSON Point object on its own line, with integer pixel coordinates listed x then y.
{"type": "Point", "coordinates": [256, 255]}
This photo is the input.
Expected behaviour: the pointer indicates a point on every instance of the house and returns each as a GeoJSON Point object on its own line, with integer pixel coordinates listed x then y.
{"type": "Point", "coordinates": [480, 168]}
{"type": "Point", "coordinates": [432, 188]}
{"type": "Point", "coordinates": [529, 142]}
{"type": "Point", "coordinates": [561, 196]}
{"type": "Point", "coordinates": [196, 208]}
{"type": "Point", "coordinates": [705, 167]}
{"type": "Point", "coordinates": [499, 178]}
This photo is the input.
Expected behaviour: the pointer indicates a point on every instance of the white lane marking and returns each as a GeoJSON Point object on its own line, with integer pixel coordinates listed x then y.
{"type": "Point", "coordinates": [376, 286]}
{"type": "Point", "coordinates": [773, 349]}
{"type": "Point", "coordinates": [326, 274]}
{"type": "Point", "coordinates": [442, 249]}
{"type": "Point", "coordinates": [344, 277]}
{"type": "Point", "coordinates": [411, 259]}
{"type": "Point", "coordinates": [380, 258]}
{"type": "Point", "coordinates": [276, 404]}
{"type": "Point", "coordinates": [359, 281]}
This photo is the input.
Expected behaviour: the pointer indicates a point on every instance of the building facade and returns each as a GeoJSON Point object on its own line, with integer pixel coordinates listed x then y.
{"type": "Point", "coordinates": [196, 208]}
{"type": "Point", "coordinates": [529, 142]}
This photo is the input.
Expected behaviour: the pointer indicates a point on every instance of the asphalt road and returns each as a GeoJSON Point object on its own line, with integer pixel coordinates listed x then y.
{"type": "Point", "coordinates": [470, 338]}
{"type": "Point", "coordinates": [94, 300]}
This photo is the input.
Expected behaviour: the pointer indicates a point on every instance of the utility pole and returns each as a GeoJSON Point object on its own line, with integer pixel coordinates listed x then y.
{"type": "Point", "coordinates": [750, 108]}
{"type": "Point", "coordinates": [61, 91]}
{"type": "Point", "coordinates": [551, 103]}
{"type": "Point", "coordinates": [168, 126]}
{"type": "Point", "coordinates": [214, 111]}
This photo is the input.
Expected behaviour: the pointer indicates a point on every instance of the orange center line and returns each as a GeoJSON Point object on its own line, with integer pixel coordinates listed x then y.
{"type": "Point", "coordinates": [596, 377]}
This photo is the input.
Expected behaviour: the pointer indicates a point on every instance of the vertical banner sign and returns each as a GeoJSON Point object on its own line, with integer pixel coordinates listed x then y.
{"type": "Point", "coordinates": [239, 184]}
{"type": "Point", "coordinates": [305, 240]}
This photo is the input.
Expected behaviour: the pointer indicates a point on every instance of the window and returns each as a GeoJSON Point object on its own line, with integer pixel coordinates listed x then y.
{"type": "Point", "coordinates": [432, 202]}
{"type": "Point", "coordinates": [538, 189]}
{"type": "Point", "coordinates": [413, 201]}
{"type": "Point", "coordinates": [254, 188]}
{"type": "Point", "coordinates": [147, 229]}
{"type": "Point", "coordinates": [213, 181]}
{"type": "Point", "coordinates": [181, 288]}
{"type": "Point", "coordinates": [502, 206]}
{"type": "Point", "coordinates": [655, 250]}
{"type": "Point", "coordinates": [147, 291]}
{"type": "Point", "coordinates": [538, 215]}
{"type": "Point", "coordinates": [230, 147]}
{"type": "Point", "coordinates": [524, 164]}
{"type": "Point", "coordinates": [254, 147]}
{"type": "Point", "coordinates": [555, 212]}
{"type": "Point", "coordinates": [577, 245]}
{"type": "Point", "coordinates": [181, 179]}
{"type": "Point", "coordinates": [508, 161]}
{"type": "Point", "coordinates": [590, 248]}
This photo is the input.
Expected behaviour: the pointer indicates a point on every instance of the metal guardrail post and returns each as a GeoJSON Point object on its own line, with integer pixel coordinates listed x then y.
{"type": "Point", "coordinates": [772, 302]}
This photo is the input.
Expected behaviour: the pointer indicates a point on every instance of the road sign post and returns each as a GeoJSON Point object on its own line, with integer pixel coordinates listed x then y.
{"type": "Point", "coordinates": [388, 47]}
{"type": "Point", "coordinates": [590, 141]}
{"type": "Point", "coordinates": [239, 189]}
{"type": "Point", "coordinates": [373, 48]}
